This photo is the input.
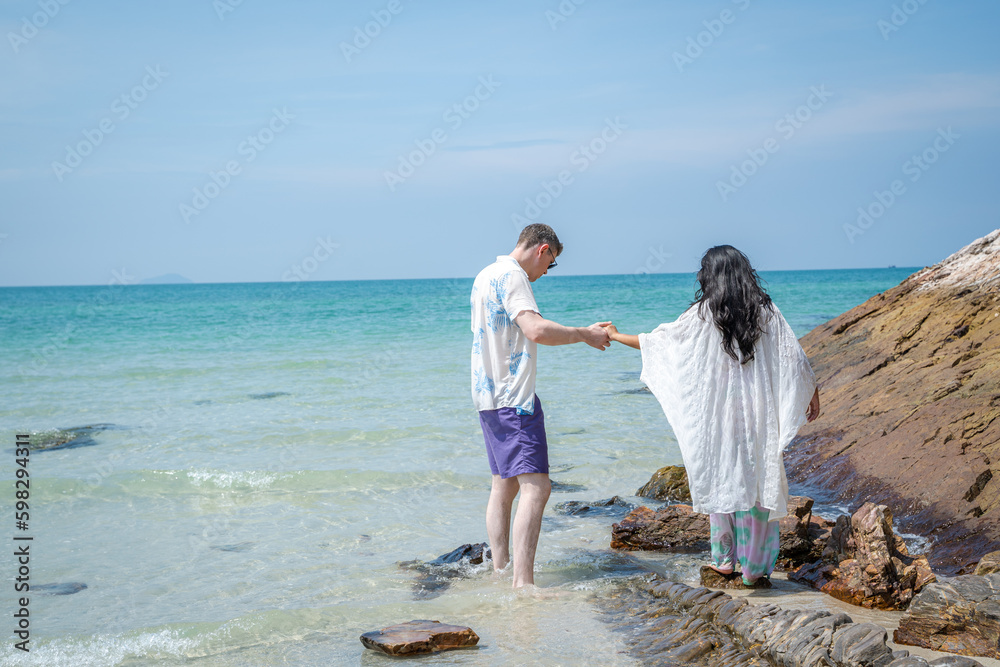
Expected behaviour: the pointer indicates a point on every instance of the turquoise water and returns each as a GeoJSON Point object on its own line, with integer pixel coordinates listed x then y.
{"type": "Point", "coordinates": [277, 449]}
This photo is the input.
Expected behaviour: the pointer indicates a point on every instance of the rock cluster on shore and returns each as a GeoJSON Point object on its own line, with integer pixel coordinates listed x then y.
{"type": "Point", "coordinates": [802, 535]}
{"type": "Point", "coordinates": [865, 563]}
{"type": "Point", "coordinates": [910, 389]}
{"type": "Point", "coordinates": [705, 628]}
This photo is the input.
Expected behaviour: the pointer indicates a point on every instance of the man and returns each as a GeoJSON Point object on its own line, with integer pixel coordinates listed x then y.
{"type": "Point", "coordinates": [506, 328]}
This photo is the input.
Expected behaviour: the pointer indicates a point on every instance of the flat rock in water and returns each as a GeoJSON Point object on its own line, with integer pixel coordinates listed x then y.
{"type": "Point", "coordinates": [667, 483]}
{"type": "Point", "coordinates": [67, 438]}
{"type": "Point", "coordinates": [614, 506]}
{"type": "Point", "coordinates": [473, 553]}
{"type": "Point", "coordinates": [416, 637]}
{"type": "Point", "coordinates": [67, 588]}
{"type": "Point", "coordinates": [566, 487]}
{"type": "Point", "coordinates": [957, 615]}
{"type": "Point", "coordinates": [435, 577]}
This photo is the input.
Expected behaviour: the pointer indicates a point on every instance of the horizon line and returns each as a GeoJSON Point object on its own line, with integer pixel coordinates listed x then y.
{"type": "Point", "coordinates": [358, 280]}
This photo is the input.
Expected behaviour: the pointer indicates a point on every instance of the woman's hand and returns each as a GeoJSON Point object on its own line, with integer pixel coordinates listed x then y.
{"type": "Point", "coordinates": [812, 412]}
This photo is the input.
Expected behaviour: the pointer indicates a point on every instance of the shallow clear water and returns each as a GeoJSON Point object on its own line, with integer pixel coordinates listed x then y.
{"type": "Point", "coordinates": [277, 449]}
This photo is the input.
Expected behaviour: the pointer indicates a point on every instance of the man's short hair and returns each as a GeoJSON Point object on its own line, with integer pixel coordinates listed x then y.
{"type": "Point", "coordinates": [537, 234]}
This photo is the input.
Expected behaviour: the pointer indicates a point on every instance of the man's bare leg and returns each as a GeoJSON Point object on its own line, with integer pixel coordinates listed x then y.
{"type": "Point", "coordinates": [498, 519]}
{"type": "Point", "coordinates": [535, 490]}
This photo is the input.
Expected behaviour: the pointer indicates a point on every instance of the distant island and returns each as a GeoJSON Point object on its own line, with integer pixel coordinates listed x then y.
{"type": "Point", "coordinates": [167, 279]}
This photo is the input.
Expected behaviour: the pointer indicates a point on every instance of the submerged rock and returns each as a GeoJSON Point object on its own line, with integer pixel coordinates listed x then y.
{"type": "Point", "coordinates": [667, 483]}
{"type": "Point", "coordinates": [417, 637]}
{"type": "Point", "coordinates": [566, 487]}
{"type": "Point", "coordinates": [614, 507]}
{"type": "Point", "coordinates": [865, 563]}
{"type": "Point", "coordinates": [237, 547]}
{"type": "Point", "coordinates": [434, 577]}
{"type": "Point", "coordinates": [67, 588]}
{"type": "Point", "coordinates": [67, 438]}
{"type": "Point", "coordinates": [911, 398]}
{"type": "Point", "coordinates": [957, 615]}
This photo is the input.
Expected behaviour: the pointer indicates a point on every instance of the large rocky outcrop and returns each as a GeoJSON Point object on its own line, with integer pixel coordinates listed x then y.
{"type": "Point", "coordinates": [910, 391]}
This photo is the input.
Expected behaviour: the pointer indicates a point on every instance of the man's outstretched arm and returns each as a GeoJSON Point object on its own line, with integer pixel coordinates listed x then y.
{"type": "Point", "coordinates": [547, 332]}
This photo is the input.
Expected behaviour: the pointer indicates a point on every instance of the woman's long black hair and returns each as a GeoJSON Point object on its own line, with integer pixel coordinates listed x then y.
{"type": "Point", "coordinates": [732, 290]}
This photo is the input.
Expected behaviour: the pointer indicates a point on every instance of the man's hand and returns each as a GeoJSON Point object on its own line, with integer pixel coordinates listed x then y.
{"type": "Point", "coordinates": [813, 411]}
{"type": "Point", "coordinates": [596, 336]}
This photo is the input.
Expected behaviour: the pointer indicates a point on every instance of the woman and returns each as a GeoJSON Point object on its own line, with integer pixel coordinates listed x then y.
{"type": "Point", "coordinates": [735, 386]}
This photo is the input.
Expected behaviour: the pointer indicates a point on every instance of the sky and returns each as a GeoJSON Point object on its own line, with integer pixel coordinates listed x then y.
{"type": "Point", "coordinates": [253, 141]}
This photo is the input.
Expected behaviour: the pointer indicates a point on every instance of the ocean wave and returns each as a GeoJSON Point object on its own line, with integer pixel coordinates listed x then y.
{"type": "Point", "coordinates": [100, 650]}
{"type": "Point", "coordinates": [254, 480]}
{"type": "Point", "coordinates": [212, 482]}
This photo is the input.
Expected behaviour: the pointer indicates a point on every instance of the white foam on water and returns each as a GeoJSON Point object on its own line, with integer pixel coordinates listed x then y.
{"type": "Point", "coordinates": [100, 650]}
{"type": "Point", "coordinates": [228, 480]}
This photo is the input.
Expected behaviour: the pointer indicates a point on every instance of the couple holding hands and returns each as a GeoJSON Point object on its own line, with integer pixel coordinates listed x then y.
{"type": "Point", "coordinates": [732, 379]}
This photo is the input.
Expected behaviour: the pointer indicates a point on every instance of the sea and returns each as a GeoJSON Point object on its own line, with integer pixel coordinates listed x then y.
{"type": "Point", "coordinates": [257, 474]}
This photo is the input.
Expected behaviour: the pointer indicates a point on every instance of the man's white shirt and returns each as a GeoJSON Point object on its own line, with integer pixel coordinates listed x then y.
{"type": "Point", "coordinates": [503, 359]}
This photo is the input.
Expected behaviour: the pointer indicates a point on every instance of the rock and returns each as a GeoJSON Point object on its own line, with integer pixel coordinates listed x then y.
{"type": "Point", "coordinates": [670, 528]}
{"type": "Point", "coordinates": [910, 390]}
{"type": "Point", "coordinates": [473, 553]}
{"type": "Point", "coordinates": [667, 483]}
{"type": "Point", "coordinates": [866, 563]}
{"type": "Point", "coordinates": [988, 564]}
{"type": "Point", "coordinates": [566, 487]}
{"type": "Point", "coordinates": [670, 623]}
{"type": "Point", "coordinates": [435, 577]}
{"type": "Point", "coordinates": [416, 637]}
{"type": "Point", "coordinates": [614, 507]}
{"type": "Point", "coordinates": [958, 615]}
{"type": "Point", "coordinates": [801, 536]}
{"type": "Point", "coordinates": [268, 394]}
{"type": "Point", "coordinates": [67, 438]}
{"type": "Point", "coordinates": [712, 579]}
{"type": "Point", "coordinates": [238, 547]}
{"type": "Point", "coordinates": [68, 588]}
{"type": "Point", "coordinates": [678, 528]}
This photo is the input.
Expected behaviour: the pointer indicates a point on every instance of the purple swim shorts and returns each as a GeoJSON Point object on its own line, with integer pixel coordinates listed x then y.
{"type": "Point", "coordinates": [515, 443]}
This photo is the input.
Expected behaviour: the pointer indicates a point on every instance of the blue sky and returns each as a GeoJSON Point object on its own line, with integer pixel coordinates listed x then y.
{"type": "Point", "coordinates": [674, 126]}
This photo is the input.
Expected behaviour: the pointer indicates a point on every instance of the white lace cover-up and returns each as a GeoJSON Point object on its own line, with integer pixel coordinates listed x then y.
{"type": "Point", "coordinates": [732, 421]}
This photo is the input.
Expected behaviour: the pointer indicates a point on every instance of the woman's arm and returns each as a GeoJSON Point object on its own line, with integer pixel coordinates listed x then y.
{"type": "Point", "coordinates": [624, 339]}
